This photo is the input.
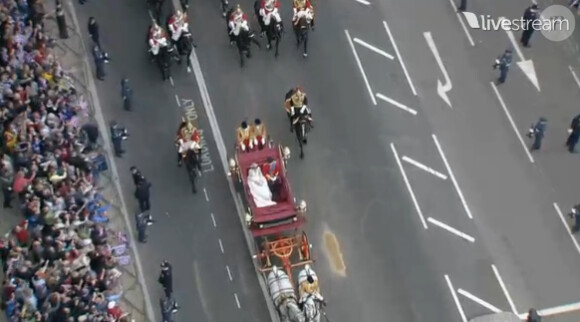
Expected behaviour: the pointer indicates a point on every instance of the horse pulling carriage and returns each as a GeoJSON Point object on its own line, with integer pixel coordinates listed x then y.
{"type": "Point", "coordinates": [276, 222]}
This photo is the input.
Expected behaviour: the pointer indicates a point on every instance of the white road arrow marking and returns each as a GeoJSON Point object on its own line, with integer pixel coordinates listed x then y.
{"type": "Point", "coordinates": [441, 89]}
{"type": "Point", "coordinates": [527, 66]}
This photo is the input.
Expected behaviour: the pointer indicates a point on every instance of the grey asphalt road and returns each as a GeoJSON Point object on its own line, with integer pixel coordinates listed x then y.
{"type": "Point", "coordinates": [185, 233]}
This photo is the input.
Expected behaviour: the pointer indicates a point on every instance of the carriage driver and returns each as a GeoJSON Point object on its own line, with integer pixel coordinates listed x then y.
{"type": "Point", "coordinates": [237, 22]}
{"type": "Point", "coordinates": [245, 134]}
{"type": "Point", "coordinates": [188, 138]}
{"type": "Point", "coordinates": [157, 38]}
{"type": "Point", "coordinates": [303, 8]}
{"type": "Point", "coordinates": [297, 102]}
{"type": "Point", "coordinates": [259, 134]}
{"type": "Point", "coordinates": [178, 24]}
{"type": "Point", "coordinates": [270, 9]}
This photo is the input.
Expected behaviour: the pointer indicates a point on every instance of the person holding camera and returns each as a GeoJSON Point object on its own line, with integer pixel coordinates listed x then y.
{"type": "Point", "coordinates": [166, 278]}
{"type": "Point", "coordinates": [503, 63]}
{"type": "Point", "coordinates": [537, 133]}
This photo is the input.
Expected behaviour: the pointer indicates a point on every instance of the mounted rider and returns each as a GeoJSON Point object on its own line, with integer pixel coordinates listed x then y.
{"type": "Point", "coordinates": [269, 9]}
{"type": "Point", "coordinates": [237, 21]}
{"type": "Point", "coordinates": [157, 39]}
{"type": "Point", "coordinates": [259, 134]}
{"type": "Point", "coordinates": [245, 134]}
{"type": "Point", "coordinates": [296, 105]}
{"type": "Point", "coordinates": [308, 286]}
{"type": "Point", "coordinates": [303, 9]}
{"type": "Point", "coordinates": [188, 138]}
{"type": "Point", "coordinates": [178, 25]}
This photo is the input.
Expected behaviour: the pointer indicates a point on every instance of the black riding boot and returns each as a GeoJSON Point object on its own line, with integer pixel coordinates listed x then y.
{"type": "Point", "coordinates": [179, 159]}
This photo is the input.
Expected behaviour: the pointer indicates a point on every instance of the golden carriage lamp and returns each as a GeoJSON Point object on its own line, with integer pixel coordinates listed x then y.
{"type": "Point", "coordinates": [248, 218]}
{"type": "Point", "coordinates": [286, 153]}
{"type": "Point", "coordinates": [233, 165]}
{"type": "Point", "coordinates": [301, 208]}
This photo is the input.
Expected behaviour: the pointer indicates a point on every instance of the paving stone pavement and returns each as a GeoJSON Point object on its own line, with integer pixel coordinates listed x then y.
{"type": "Point", "coordinates": [72, 56]}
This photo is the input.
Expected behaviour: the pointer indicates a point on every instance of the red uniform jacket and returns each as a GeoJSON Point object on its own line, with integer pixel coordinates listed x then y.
{"type": "Point", "coordinates": [263, 4]}
{"type": "Point", "coordinates": [270, 172]}
{"type": "Point", "coordinates": [244, 17]}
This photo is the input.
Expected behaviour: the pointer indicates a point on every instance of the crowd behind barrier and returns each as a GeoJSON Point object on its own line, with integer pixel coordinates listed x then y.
{"type": "Point", "coordinates": [60, 263]}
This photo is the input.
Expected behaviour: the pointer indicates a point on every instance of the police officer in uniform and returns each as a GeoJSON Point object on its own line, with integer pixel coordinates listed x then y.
{"type": "Point", "coordinates": [166, 278]}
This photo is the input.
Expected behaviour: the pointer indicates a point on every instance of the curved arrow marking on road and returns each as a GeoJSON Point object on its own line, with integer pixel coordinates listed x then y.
{"type": "Point", "coordinates": [441, 88]}
{"type": "Point", "coordinates": [527, 66]}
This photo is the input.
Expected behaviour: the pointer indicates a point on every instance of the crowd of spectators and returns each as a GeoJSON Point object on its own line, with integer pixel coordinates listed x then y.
{"type": "Point", "coordinates": [58, 263]}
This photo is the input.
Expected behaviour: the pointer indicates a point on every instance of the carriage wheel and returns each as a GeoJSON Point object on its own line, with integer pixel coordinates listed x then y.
{"type": "Point", "coordinates": [304, 247]}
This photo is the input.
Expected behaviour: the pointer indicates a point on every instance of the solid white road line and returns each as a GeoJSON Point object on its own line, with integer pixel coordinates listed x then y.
{"type": "Point", "coordinates": [505, 291]}
{"type": "Point", "coordinates": [177, 100]}
{"type": "Point", "coordinates": [366, 3]}
{"type": "Point", "coordinates": [397, 104]}
{"type": "Point", "coordinates": [451, 229]}
{"type": "Point", "coordinates": [229, 273]}
{"type": "Point", "coordinates": [213, 221]}
{"type": "Point", "coordinates": [442, 88]}
{"type": "Point", "coordinates": [206, 196]}
{"type": "Point", "coordinates": [568, 228]}
{"type": "Point", "coordinates": [574, 75]}
{"type": "Point", "coordinates": [555, 310]}
{"type": "Point", "coordinates": [511, 120]}
{"type": "Point", "coordinates": [479, 301]}
{"type": "Point", "coordinates": [237, 301]}
{"type": "Point", "coordinates": [400, 58]}
{"type": "Point", "coordinates": [360, 66]}
{"type": "Point", "coordinates": [454, 295]}
{"type": "Point", "coordinates": [452, 176]}
{"type": "Point", "coordinates": [462, 23]}
{"type": "Point", "coordinates": [424, 167]}
{"type": "Point", "coordinates": [419, 212]}
{"type": "Point", "coordinates": [221, 245]}
{"type": "Point", "coordinates": [373, 48]}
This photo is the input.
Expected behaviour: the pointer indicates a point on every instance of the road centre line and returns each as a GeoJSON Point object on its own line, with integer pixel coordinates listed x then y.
{"type": "Point", "coordinates": [409, 188]}
{"type": "Point", "coordinates": [454, 295]}
{"type": "Point", "coordinates": [206, 196]}
{"type": "Point", "coordinates": [221, 245]}
{"type": "Point", "coordinates": [451, 229]}
{"type": "Point", "coordinates": [555, 310]}
{"type": "Point", "coordinates": [366, 3]}
{"type": "Point", "coordinates": [424, 167]}
{"type": "Point", "coordinates": [177, 100]}
{"type": "Point", "coordinates": [462, 23]}
{"type": "Point", "coordinates": [237, 301]}
{"type": "Point", "coordinates": [568, 228]}
{"type": "Point", "coordinates": [213, 221]}
{"type": "Point", "coordinates": [171, 81]}
{"type": "Point", "coordinates": [360, 66]}
{"type": "Point", "coordinates": [479, 301]}
{"type": "Point", "coordinates": [229, 273]}
{"type": "Point", "coordinates": [448, 167]}
{"type": "Point", "coordinates": [399, 57]}
{"type": "Point", "coordinates": [373, 48]}
{"type": "Point", "coordinates": [397, 104]}
{"type": "Point", "coordinates": [574, 75]}
{"type": "Point", "coordinates": [504, 289]}
{"type": "Point", "coordinates": [511, 120]}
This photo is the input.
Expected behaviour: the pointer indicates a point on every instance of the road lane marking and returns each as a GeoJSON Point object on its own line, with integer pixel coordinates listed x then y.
{"type": "Point", "coordinates": [452, 176]}
{"type": "Point", "coordinates": [399, 57]}
{"type": "Point", "coordinates": [568, 228]}
{"type": "Point", "coordinates": [451, 229]}
{"type": "Point", "coordinates": [366, 3]}
{"type": "Point", "coordinates": [555, 310]}
{"type": "Point", "coordinates": [462, 23]}
{"type": "Point", "coordinates": [424, 167]}
{"type": "Point", "coordinates": [221, 245]}
{"type": "Point", "coordinates": [237, 300]}
{"type": "Point", "coordinates": [511, 120]}
{"type": "Point", "coordinates": [454, 295]}
{"type": "Point", "coordinates": [360, 66]}
{"type": "Point", "coordinates": [177, 100]}
{"type": "Point", "coordinates": [397, 104]}
{"type": "Point", "coordinates": [574, 75]}
{"type": "Point", "coordinates": [213, 221]}
{"type": "Point", "coordinates": [229, 273]}
{"type": "Point", "coordinates": [206, 196]}
{"type": "Point", "coordinates": [442, 90]}
{"type": "Point", "coordinates": [373, 48]}
{"type": "Point", "coordinates": [504, 289]}
{"type": "Point", "coordinates": [171, 81]}
{"type": "Point", "coordinates": [409, 188]}
{"type": "Point", "coordinates": [479, 301]}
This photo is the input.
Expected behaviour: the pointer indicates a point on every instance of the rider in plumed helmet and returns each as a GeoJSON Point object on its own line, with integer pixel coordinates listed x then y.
{"type": "Point", "coordinates": [178, 24]}
{"type": "Point", "coordinates": [188, 138]}
{"type": "Point", "coordinates": [237, 22]}
{"type": "Point", "coordinates": [296, 105]}
{"type": "Point", "coordinates": [303, 8]}
{"type": "Point", "coordinates": [157, 38]}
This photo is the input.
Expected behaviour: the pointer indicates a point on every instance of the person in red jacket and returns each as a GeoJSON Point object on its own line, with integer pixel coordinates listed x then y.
{"type": "Point", "coordinates": [271, 171]}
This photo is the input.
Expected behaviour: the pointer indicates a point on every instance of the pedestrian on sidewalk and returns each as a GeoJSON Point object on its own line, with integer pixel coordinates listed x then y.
{"type": "Point", "coordinates": [574, 131]}
{"type": "Point", "coordinates": [94, 31]}
{"type": "Point", "coordinates": [138, 177]}
{"type": "Point", "coordinates": [533, 316]}
{"type": "Point", "coordinates": [503, 62]}
{"type": "Point", "coordinates": [166, 278]}
{"type": "Point", "coordinates": [537, 133]}
{"type": "Point", "coordinates": [463, 5]}
{"type": "Point", "coordinates": [142, 220]}
{"type": "Point", "coordinates": [99, 58]}
{"type": "Point", "coordinates": [530, 17]}
{"type": "Point", "coordinates": [142, 194]}
{"type": "Point", "coordinates": [126, 94]}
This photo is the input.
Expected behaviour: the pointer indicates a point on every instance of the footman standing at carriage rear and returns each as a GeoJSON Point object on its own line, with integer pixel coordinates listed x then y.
{"type": "Point", "coordinates": [237, 21]}
{"type": "Point", "coordinates": [244, 135]}
{"type": "Point", "coordinates": [188, 138]}
{"type": "Point", "coordinates": [260, 134]}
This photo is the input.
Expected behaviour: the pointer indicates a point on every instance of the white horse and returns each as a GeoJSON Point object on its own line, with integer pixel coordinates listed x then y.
{"type": "Point", "coordinates": [310, 298]}
{"type": "Point", "coordinates": [284, 296]}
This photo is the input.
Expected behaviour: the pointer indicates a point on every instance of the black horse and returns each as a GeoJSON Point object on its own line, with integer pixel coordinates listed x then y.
{"type": "Point", "coordinates": [163, 59]}
{"type": "Point", "coordinates": [193, 166]}
{"type": "Point", "coordinates": [274, 33]}
{"type": "Point", "coordinates": [244, 43]}
{"type": "Point", "coordinates": [156, 8]}
{"type": "Point", "coordinates": [185, 45]}
{"type": "Point", "coordinates": [302, 127]}
{"type": "Point", "coordinates": [301, 28]}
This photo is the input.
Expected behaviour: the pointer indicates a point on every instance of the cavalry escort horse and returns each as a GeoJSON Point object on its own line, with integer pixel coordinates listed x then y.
{"type": "Point", "coordinates": [302, 20]}
{"type": "Point", "coordinates": [189, 150]}
{"type": "Point", "coordinates": [181, 37]}
{"type": "Point", "coordinates": [160, 50]}
{"type": "Point", "coordinates": [270, 21]}
{"type": "Point", "coordinates": [240, 34]}
{"type": "Point", "coordinates": [300, 119]}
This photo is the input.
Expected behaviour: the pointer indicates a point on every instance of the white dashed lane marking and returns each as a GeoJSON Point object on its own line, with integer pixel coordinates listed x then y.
{"type": "Point", "coordinates": [397, 104]}
{"type": "Point", "coordinates": [206, 196]}
{"type": "Point", "coordinates": [451, 229]}
{"type": "Point", "coordinates": [213, 221]}
{"type": "Point", "coordinates": [373, 48]}
{"type": "Point", "coordinates": [221, 245]}
{"type": "Point", "coordinates": [229, 273]}
{"type": "Point", "coordinates": [424, 167]}
{"type": "Point", "coordinates": [237, 300]}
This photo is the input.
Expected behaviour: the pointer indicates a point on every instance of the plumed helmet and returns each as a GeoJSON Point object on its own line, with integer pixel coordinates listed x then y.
{"type": "Point", "coordinates": [179, 14]}
{"type": "Point", "coordinates": [310, 279]}
{"type": "Point", "coordinates": [244, 125]}
{"type": "Point", "coordinates": [238, 14]}
{"type": "Point", "coordinates": [269, 5]}
{"type": "Point", "coordinates": [257, 121]}
{"type": "Point", "coordinates": [298, 90]}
